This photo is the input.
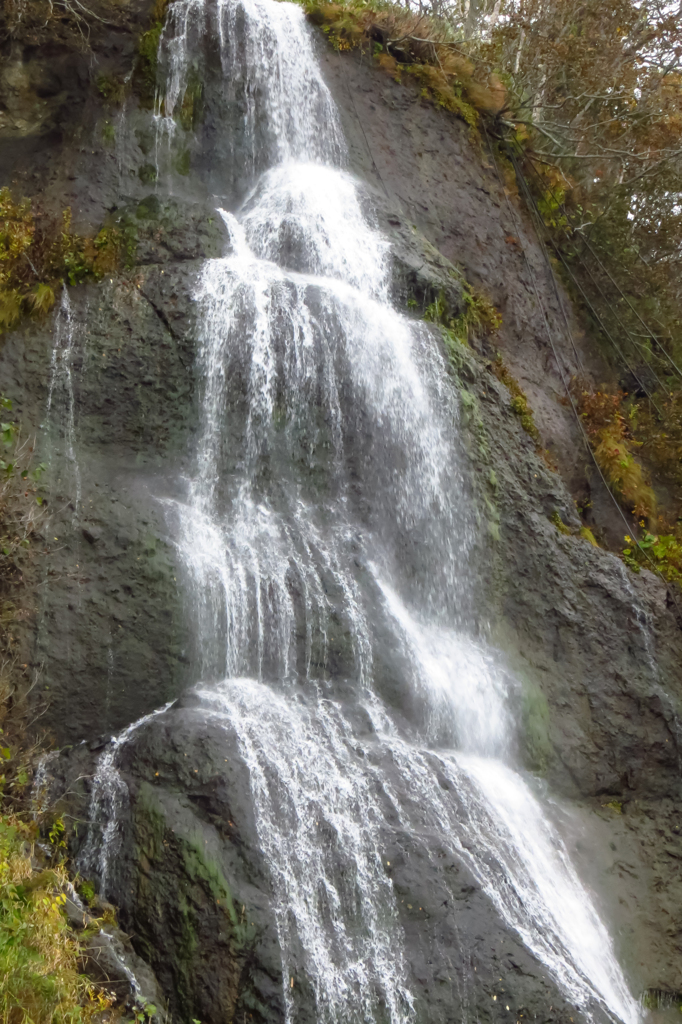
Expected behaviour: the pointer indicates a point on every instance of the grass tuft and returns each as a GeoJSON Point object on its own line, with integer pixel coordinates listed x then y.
{"type": "Point", "coordinates": [421, 48]}
{"type": "Point", "coordinates": [614, 446]}
{"type": "Point", "coordinates": [478, 316]}
{"type": "Point", "coordinates": [519, 401]}
{"type": "Point", "coordinates": [40, 981]}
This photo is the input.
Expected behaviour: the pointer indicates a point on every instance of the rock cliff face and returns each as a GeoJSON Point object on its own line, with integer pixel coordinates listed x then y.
{"type": "Point", "coordinates": [109, 384]}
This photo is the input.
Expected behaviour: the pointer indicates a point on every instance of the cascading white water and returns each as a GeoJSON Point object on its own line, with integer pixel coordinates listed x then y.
{"type": "Point", "coordinates": [316, 813]}
{"type": "Point", "coordinates": [326, 535]}
{"type": "Point", "coordinates": [277, 123]}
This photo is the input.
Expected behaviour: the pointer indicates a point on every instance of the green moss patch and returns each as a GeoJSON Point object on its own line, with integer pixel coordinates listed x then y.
{"type": "Point", "coordinates": [537, 746]}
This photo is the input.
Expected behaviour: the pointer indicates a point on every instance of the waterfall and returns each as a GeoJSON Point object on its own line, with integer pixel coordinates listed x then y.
{"type": "Point", "coordinates": [328, 534]}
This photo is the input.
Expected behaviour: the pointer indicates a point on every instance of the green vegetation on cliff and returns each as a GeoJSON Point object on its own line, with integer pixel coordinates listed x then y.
{"type": "Point", "coordinates": [478, 316]}
{"type": "Point", "coordinates": [519, 402]}
{"type": "Point", "coordinates": [416, 47]}
{"type": "Point", "coordinates": [37, 255]}
{"type": "Point", "coordinates": [40, 977]}
{"type": "Point", "coordinates": [146, 65]}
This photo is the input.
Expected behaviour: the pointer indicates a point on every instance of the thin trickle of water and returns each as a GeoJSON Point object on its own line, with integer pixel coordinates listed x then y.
{"type": "Point", "coordinates": [42, 781]}
{"type": "Point", "coordinates": [645, 630]}
{"type": "Point", "coordinates": [121, 139]}
{"type": "Point", "coordinates": [642, 620]}
{"type": "Point", "coordinates": [108, 801]}
{"type": "Point", "coordinates": [61, 402]}
{"type": "Point", "coordinates": [327, 535]}
{"type": "Point", "coordinates": [110, 682]}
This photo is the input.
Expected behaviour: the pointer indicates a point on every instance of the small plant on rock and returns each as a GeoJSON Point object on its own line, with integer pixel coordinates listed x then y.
{"type": "Point", "coordinates": [478, 315]}
{"type": "Point", "coordinates": [660, 551]}
{"type": "Point", "coordinates": [519, 401]}
{"type": "Point", "coordinates": [37, 255]}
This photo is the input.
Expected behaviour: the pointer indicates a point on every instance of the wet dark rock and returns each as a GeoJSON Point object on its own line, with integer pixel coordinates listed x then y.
{"type": "Point", "coordinates": [99, 743]}
{"type": "Point", "coordinates": [110, 960]}
{"type": "Point", "coordinates": [421, 274]}
{"type": "Point", "coordinates": [76, 913]}
{"type": "Point", "coordinates": [192, 882]}
{"type": "Point", "coordinates": [190, 878]}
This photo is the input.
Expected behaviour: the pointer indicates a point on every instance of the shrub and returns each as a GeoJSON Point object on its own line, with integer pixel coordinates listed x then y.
{"type": "Point", "coordinates": [663, 552]}
{"type": "Point", "coordinates": [111, 89]}
{"type": "Point", "coordinates": [660, 435]}
{"type": "Point", "coordinates": [39, 978]}
{"type": "Point", "coordinates": [613, 446]}
{"type": "Point", "coordinates": [37, 256]}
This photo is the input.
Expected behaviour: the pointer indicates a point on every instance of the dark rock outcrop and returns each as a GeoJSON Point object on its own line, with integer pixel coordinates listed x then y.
{"type": "Point", "coordinates": [193, 881]}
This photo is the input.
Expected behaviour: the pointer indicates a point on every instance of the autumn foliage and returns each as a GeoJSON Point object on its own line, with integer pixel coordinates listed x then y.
{"type": "Point", "coordinates": [596, 93]}
{"type": "Point", "coordinates": [422, 48]}
{"type": "Point", "coordinates": [37, 254]}
{"type": "Point", "coordinates": [615, 448]}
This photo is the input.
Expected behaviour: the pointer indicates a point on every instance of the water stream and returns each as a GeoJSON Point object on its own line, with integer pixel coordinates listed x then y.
{"type": "Point", "coordinates": [327, 535]}
{"type": "Point", "coordinates": [61, 402]}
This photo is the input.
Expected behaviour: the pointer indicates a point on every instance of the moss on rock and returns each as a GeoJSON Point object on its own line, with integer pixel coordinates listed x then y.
{"type": "Point", "coordinates": [535, 724]}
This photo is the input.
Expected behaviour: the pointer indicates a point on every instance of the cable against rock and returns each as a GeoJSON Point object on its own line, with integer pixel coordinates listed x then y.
{"type": "Point", "coordinates": [651, 334]}
{"type": "Point", "coordinates": [646, 554]}
{"type": "Point", "coordinates": [364, 135]}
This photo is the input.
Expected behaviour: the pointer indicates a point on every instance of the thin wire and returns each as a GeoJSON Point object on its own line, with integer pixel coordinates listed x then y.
{"type": "Point", "coordinates": [362, 129]}
{"type": "Point", "coordinates": [622, 326]}
{"type": "Point", "coordinates": [586, 241]}
{"type": "Point", "coordinates": [613, 310]}
{"type": "Point", "coordinates": [531, 201]}
{"type": "Point", "coordinates": [552, 278]}
{"type": "Point", "coordinates": [570, 397]}
{"type": "Point", "coordinates": [534, 210]}
{"type": "Point", "coordinates": [650, 333]}
{"type": "Point", "coordinates": [602, 326]}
